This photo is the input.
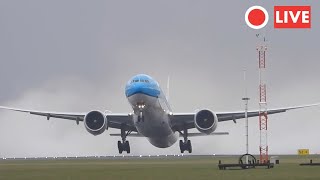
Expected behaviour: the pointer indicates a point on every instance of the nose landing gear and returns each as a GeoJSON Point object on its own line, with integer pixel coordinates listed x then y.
{"type": "Point", "coordinates": [141, 117]}
{"type": "Point", "coordinates": [141, 106]}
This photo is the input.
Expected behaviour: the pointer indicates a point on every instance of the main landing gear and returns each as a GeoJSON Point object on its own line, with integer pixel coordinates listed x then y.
{"type": "Point", "coordinates": [124, 145]}
{"type": "Point", "coordinates": [185, 145]}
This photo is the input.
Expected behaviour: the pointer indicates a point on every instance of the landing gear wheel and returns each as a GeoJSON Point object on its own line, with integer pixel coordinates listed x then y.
{"type": "Point", "coordinates": [120, 148]}
{"type": "Point", "coordinates": [185, 144]}
{"type": "Point", "coordinates": [189, 147]}
{"type": "Point", "coordinates": [181, 144]}
{"type": "Point", "coordinates": [127, 147]}
{"type": "Point", "coordinates": [124, 144]}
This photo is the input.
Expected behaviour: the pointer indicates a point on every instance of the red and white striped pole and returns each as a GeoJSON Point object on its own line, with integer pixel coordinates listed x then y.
{"type": "Point", "coordinates": [263, 115]}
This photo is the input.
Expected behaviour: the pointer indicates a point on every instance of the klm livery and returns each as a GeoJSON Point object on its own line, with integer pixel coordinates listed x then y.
{"type": "Point", "coordinates": [152, 118]}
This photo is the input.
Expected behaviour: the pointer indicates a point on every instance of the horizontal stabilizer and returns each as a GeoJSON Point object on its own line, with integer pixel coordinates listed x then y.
{"type": "Point", "coordinates": [189, 134]}
{"type": "Point", "coordinates": [202, 134]}
{"type": "Point", "coordinates": [130, 135]}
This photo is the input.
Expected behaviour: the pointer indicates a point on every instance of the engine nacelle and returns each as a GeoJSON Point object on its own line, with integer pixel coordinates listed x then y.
{"type": "Point", "coordinates": [206, 121]}
{"type": "Point", "coordinates": [95, 122]}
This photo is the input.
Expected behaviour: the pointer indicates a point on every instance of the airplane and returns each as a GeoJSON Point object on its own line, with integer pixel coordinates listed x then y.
{"type": "Point", "coordinates": [152, 117]}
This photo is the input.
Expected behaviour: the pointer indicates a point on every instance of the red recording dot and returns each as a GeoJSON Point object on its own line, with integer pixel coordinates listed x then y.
{"type": "Point", "coordinates": [256, 17]}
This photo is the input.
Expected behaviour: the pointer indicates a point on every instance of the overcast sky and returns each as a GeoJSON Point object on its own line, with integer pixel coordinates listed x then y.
{"type": "Point", "coordinates": [77, 55]}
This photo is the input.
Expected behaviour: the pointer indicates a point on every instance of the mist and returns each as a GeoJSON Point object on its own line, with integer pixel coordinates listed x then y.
{"type": "Point", "coordinates": [76, 56]}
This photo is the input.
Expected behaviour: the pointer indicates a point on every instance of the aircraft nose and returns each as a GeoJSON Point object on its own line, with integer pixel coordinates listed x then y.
{"type": "Point", "coordinates": [135, 89]}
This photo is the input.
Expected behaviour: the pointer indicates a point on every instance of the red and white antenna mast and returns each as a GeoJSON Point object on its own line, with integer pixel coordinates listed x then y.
{"type": "Point", "coordinates": [263, 115]}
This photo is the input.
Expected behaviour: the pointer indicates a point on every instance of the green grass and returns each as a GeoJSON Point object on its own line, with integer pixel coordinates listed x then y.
{"type": "Point", "coordinates": [164, 169]}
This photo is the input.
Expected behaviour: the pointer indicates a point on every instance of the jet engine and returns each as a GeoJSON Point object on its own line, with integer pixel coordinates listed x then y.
{"type": "Point", "coordinates": [95, 122]}
{"type": "Point", "coordinates": [206, 121]}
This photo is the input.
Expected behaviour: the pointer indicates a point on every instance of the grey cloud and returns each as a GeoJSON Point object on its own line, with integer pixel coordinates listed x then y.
{"type": "Point", "coordinates": [78, 55]}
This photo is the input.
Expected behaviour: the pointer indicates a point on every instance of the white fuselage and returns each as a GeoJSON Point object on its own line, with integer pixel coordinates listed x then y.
{"type": "Point", "coordinates": [155, 124]}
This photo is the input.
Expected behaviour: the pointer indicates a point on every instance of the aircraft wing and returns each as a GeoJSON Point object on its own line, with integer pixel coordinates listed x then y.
{"type": "Point", "coordinates": [114, 120]}
{"type": "Point", "coordinates": [180, 120]}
